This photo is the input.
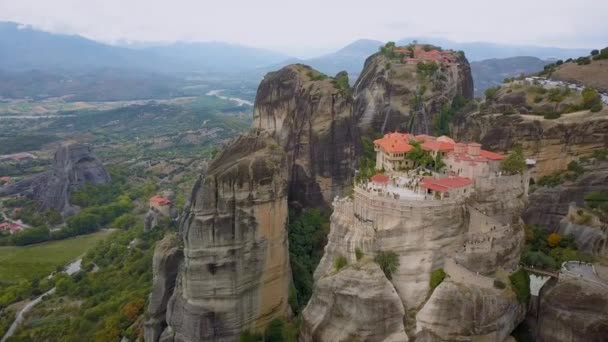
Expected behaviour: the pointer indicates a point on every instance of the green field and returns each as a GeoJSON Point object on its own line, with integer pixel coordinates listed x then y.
{"type": "Point", "coordinates": [17, 263]}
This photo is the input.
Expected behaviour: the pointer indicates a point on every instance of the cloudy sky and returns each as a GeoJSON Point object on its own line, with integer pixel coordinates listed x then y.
{"type": "Point", "coordinates": [310, 26]}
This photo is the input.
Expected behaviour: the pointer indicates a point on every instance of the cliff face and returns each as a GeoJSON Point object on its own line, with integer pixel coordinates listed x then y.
{"type": "Point", "coordinates": [310, 116]}
{"type": "Point", "coordinates": [165, 265]}
{"type": "Point", "coordinates": [463, 312]}
{"type": "Point", "coordinates": [235, 274]}
{"type": "Point", "coordinates": [574, 311]}
{"type": "Point", "coordinates": [392, 94]}
{"type": "Point", "coordinates": [354, 304]}
{"type": "Point", "coordinates": [548, 206]}
{"type": "Point", "coordinates": [74, 166]}
{"type": "Point", "coordinates": [552, 143]}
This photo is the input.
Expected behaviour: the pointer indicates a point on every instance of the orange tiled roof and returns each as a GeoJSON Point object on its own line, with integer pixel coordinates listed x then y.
{"type": "Point", "coordinates": [394, 142]}
{"type": "Point", "coordinates": [160, 200]}
{"type": "Point", "coordinates": [380, 178]}
{"type": "Point", "coordinates": [445, 184]}
{"type": "Point", "coordinates": [492, 155]}
{"type": "Point", "coordinates": [438, 146]}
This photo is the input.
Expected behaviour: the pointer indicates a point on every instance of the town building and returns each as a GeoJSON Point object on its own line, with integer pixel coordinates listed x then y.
{"type": "Point", "coordinates": [160, 205]}
{"type": "Point", "coordinates": [11, 227]}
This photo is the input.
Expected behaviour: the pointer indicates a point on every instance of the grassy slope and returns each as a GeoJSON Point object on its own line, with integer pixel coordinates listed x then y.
{"type": "Point", "coordinates": [17, 263]}
{"type": "Point", "coordinates": [594, 74]}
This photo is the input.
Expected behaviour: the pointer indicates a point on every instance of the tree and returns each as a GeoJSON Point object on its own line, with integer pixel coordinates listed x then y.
{"type": "Point", "coordinates": [490, 92]}
{"type": "Point", "coordinates": [554, 239]}
{"type": "Point", "coordinates": [591, 98]}
{"type": "Point", "coordinates": [274, 331]}
{"type": "Point", "coordinates": [595, 52]}
{"type": "Point", "coordinates": [515, 162]}
{"type": "Point", "coordinates": [388, 262]}
{"type": "Point", "coordinates": [520, 282]}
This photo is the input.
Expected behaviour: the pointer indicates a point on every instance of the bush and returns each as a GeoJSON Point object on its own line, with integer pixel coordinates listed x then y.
{"type": "Point", "coordinates": [490, 92]}
{"type": "Point", "coordinates": [520, 282]}
{"type": "Point", "coordinates": [274, 331]}
{"type": "Point", "coordinates": [538, 99]}
{"type": "Point", "coordinates": [437, 276]}
{"type": "Point", "coordinates": [358, 253]}
{"type": "Point", "coordinates": [595, 52]}
{"type": "Point", "coordinates": [388, 262]}
{"type": "Point", "coordinates": [247, 336]}
{"type": "Point", "coordinates": [552, 116]}
{"type": "Point", "coordinates": [499, 284]}
{"type": "Point", "coordinates": [340, 262]}
{"type": "Point", "coordinates": [427, 68]}
{"type": "Point", "coordinates": [514, 163]}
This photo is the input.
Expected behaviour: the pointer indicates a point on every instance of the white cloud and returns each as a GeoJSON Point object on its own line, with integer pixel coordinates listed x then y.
{"type": "Point", "coordinates": [320, 24]}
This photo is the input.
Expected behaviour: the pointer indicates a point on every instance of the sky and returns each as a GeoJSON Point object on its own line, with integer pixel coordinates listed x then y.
{"type": "Point", "coordinates": [308, 27]}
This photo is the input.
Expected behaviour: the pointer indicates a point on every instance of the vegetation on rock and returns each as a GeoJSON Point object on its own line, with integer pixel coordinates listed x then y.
{"type": "Point", "coordinates": [520, 283]}
{"type": "Point", "coordinates": [307, 234]}
{"type": "Point", "coordinates": [388, 262]}
{"type": "Point", "coordinates": [340, 262]}
{"type": "Point", "coordinates": [514, 163]}
{"type": "Point", "coordinates": [437, 277]}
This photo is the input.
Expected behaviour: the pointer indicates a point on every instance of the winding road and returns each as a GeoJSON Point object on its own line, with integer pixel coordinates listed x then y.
{"type": "Point", "coordinates": [70, 269]}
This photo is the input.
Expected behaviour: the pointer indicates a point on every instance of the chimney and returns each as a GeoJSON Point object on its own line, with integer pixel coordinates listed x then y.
{"type": "Point", "coordinates": [459, 148]}
{"type": "Point", "coordinates": [473, 149]}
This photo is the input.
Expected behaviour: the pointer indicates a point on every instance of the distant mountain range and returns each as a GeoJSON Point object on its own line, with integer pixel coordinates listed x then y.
{"type": "Point", "coordinates": [23, 49]}
{"type": "Point", "coordinates": [491, 72]}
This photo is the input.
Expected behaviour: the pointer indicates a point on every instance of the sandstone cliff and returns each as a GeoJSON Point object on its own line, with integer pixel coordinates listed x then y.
{"type": "Point", "coordinates": [552, 143]}
{"type": "Point", "coordinates": [548, 206]}
{"type": "Point", "coordinates": [467, 312]}
{"type": "Point", "coordinates": [235, 274]}
{"type": "Point", "coordinates": [74, 166]}
{"type": "Point", "coordinates": [357, 303]}
{"type": "Point", "coordinates": [393, 94]}
{"type": "Point", "coordinates": [574, 311]}
{"type": "Point", "coordinates": [310, 116]}
{"type": "Point", "coordinates": [165, 265]}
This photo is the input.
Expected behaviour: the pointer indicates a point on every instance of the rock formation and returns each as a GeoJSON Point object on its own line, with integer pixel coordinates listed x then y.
{"type": "Point", "coordinates": [74, 166]}
{"type": "Point", "coordinates": [549, 205]}
{"type": "Point", "coordinates": [393, 94]}
{"type": "Point", "coordinates": [357, 303]}
{"type": "Point", "coordinates": [458, 311]}
{"type": "Point", "coordinates": [165, 265]}
{"type": "Point", "coordinates": [236, 268]}
{"type": "Point", "coordinates": [552, 143]}
{"type": "Point", "coordinates": [310, 116]}
{"type": "Point", "coordinates": [574, 311]}
{"type": "Point", "coordinates": [302, 148]}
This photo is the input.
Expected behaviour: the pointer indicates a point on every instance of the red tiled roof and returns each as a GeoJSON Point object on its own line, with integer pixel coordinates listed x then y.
{"type": "Point", "coordinates": [437, 146]}
{"type": "Point", "coordinates": [5, 179]}
{"type": "Point", "coordinates": [445, 184]}
{"type": "Point", "coordinates": [160, 200]}
{"type": "Point", "coordinates": [394, 143]}
{"type": "Point", "coordinates": [424, 137]}
{"type": "Point", "coordinates": [492, 155]}
{"type": "Point", "coordinates": [380, 178]}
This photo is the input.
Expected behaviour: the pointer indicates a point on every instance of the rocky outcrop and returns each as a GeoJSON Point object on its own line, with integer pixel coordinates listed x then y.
{"type": "Point", "coordinates": [235, 274]}
{"type": "Point", "coordinates": [74, 166]}
{"type": "Point", "coordinates": [589, 239]}
{"type": "Point", "coordinates": [392, 94]}
{"type": "Point", "coordinates": [310, 117]}
{"type": "Point", "coordinates": [548, 206]}
{"type": "Point", "coordinates": [574, 311]}
{"type": "Point", "coordinates": [552, 143]}
{"type": "Point", "coordinates": [168, 256]}
{"type": "Point", "coordinates": [467, 312]}
{"type": "Point", "coordinates": [357, 303]}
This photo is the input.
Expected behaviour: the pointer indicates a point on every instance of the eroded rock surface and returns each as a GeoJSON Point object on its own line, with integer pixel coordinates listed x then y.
{"type": "Point", "coordinates": [310, 116]}
{"type": "Point", "coordinates": [235, 274]}
{"type": "Point", "coordinates": [74, 166]}
{"type": "Point", "coordinates": [168, 256]}
{"type": "Point", "coordinates": [552, 143]}
{"type": "Point", "coordinates": [466, 312]}
{"type": "Point", "coordinates": [357, 303]}
{"type": "Point", "coordinates": [574, 311]}
{"type": "Point", "coordinates": [391, 94]}
{"type": "Point", "coordinates": [548, 206]}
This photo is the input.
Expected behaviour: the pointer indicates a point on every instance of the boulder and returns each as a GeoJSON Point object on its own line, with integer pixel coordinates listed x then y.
{"type": "Point", "coordinates": [357, 303]}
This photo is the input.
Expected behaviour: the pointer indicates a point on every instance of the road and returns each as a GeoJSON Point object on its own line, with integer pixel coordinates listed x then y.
{"type": "Point", "coordinates": [70, 269]}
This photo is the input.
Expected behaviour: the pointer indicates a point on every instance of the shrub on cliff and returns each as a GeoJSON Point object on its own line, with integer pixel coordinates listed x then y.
{"type": "Point", "coordinates": [340, 262]}
{"type": "Point", "coordinates": [358, 253]}
{"type": "Point", "coordinates": [514, 163]}
{"type": "Point", "coordinates": [490, 92]}
{"type": "Point", "coordinates": [520, 283]}
{"type": "Point", "coordinates": [388, 262]}
{"type": "Point", "coordinates": [437, 277]}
